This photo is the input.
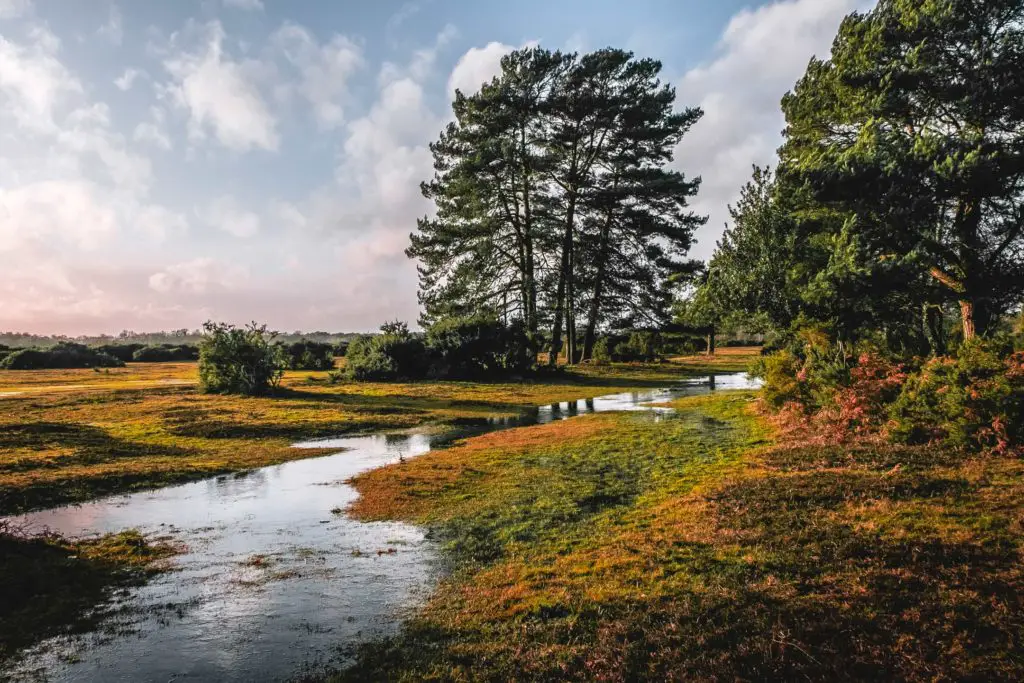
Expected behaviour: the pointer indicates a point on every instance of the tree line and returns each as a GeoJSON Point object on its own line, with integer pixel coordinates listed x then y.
{"type": "Point", "coordinates": [554, 201]}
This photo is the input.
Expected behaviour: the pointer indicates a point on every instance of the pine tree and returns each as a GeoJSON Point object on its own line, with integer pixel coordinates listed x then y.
{"type": "Point", "coordinates": [913, 134]}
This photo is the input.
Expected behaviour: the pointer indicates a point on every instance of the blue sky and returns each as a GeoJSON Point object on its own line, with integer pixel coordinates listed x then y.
{"type": "Point", "coordinates": [162, 163]}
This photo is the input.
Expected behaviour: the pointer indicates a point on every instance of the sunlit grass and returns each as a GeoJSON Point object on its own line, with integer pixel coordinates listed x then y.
{"type": "Point", "coordinates": [614, 547]}
{"type": "Point", "coordinates": [71, 435]}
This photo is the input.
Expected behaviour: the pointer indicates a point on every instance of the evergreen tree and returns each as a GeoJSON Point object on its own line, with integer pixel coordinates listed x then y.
{"type": "Point", "coordinates": [912, 137]}
{"type": "Point", "coordinates": [551, 195]}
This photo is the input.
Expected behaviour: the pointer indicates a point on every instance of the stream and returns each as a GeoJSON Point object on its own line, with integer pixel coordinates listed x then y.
{"type": "Point", "coordinates": [276, 581]}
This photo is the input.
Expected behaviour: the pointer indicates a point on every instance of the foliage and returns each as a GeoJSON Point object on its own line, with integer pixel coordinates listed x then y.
{"type": "Point", "coordinates": [395, 353]}
{"type": "Point", "coordinates": [236, 360]}
{"type": "Point", "coordinates": [309, 355]}
{"type": "Point", "coordinates": [553, 198]}
{"type": "Point", "coordinates": [62, 355]}
{"type": "Point", "coordinates": [122, 352]}
{"type": "Point", "coordinates": [973, 401]}
{"type": "Point", "coordinates": [165, 353]}
{"type": "Point", "coordinates": [904, 149]}
{"type": "Point", "coordinates": [479, 346]}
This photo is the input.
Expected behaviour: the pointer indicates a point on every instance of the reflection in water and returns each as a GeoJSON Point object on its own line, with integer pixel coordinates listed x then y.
{"type": "Point", "coordinates": [323, 581]}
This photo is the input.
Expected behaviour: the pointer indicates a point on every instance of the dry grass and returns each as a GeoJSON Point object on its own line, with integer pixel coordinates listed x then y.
{"type": "Point", "coordinates": [616, 548]}
{"type": "Point", "coordinates": [70, 435]}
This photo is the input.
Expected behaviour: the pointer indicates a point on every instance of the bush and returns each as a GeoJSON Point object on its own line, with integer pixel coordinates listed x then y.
{"type": "Point", "coordinates": [64, 355]}
{"type": "Point", "coordinates": [396, 353]}
{"type": "Point", "coordinates": [239, 360]}
{"type": "Point", "coordinates": [479, 346]}
{"type": "Point", "coordinates": [309, 355]}
{"type": "Point", "coordinates": [165, 353]}
{"type": "Point", "coordinates": [972, 401]}
{"type": "Point", "coordinates": [602, 354]}
{"type": "Point", "coordinates": [122, 352]}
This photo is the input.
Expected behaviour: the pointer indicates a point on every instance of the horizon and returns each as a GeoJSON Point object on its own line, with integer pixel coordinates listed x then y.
{"type": "Point", "coordinates": [246, 160]}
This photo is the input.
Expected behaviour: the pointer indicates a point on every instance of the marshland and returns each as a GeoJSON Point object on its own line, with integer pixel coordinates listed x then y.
{"type": "Point", "coordinates": [592, 453]}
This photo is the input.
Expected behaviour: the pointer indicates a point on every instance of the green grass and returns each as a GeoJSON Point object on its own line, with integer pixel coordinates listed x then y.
{"type": "Point", "coordinates": [72, 435]}
{"type": "Point", "coordinates": [614, 547]}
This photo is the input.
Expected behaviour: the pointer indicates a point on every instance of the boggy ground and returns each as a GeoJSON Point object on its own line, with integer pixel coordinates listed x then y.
{"type": "Point", "coordinates": [49, 585]}
{"type": "Point", "coordinates": [71, 435]}
{"type": "Point", "coordinates": [615, 547]}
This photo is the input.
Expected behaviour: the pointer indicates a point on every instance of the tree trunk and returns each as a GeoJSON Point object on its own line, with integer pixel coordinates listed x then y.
{"type": "Point", "coordinates": [935, 328]}
{"type": "Point", "coordinates": [570, 307]}
{"type": "Point", "coordinates": [711, 341]}
{"type": "Point", "coordinates": [967, 316]}
{"type": "Point", "coordinates": [563, 275]}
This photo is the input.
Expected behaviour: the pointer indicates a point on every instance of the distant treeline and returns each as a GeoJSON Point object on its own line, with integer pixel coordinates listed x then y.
{"type": "Point", "coordinates": [296, 355]}
{"type": "Point", "coordinates": [180, 337]}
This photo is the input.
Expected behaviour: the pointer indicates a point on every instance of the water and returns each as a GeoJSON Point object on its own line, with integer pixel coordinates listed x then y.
{"type": "Point", "coordinates": [273, 584]}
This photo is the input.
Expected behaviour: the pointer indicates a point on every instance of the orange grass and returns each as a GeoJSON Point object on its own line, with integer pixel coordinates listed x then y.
{"type": "Point", "coordinates": [612, 547]}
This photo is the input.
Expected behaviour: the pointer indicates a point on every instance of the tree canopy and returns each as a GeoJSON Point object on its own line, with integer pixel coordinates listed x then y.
{"type": "Point", "coordinates": [554, 202]}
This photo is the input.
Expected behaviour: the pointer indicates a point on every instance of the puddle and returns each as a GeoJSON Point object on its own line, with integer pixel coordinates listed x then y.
{"type": "Point", "coordinates": [277, 580]}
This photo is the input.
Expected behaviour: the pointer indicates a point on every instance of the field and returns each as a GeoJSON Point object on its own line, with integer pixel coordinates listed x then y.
{"type": "Point", "coordinates": [72, 435]}
{"type": "Point", "coordinates": [614, 546]}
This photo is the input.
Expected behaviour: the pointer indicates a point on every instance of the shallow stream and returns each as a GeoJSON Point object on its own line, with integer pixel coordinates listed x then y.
{"type": "Point", "coordinates": [276, 580]}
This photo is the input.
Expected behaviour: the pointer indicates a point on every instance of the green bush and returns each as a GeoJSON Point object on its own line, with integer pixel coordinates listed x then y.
{"type": "Point", "coordinates": [239, 360]}
{"type": "Point", "coordinates": [602, 354]}
{"type": "Point", "coordinates": [165, 353]}
{"type": "Point", "coordinates": [972, 401]}
{"type": "Point", "coordinates": [478, 346]}
{"type": "Point", "coordinates": [64, 355]}
{"type": "Point", "coordinates": [396, 353]}
{"type": "Point", "coordinates": [309, 355]}
{"type": "Point", "coordinates": [122, 352]}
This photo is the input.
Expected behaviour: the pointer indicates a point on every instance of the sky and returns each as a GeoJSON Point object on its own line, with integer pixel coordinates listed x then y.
{"type": "Point", "coordinates": [165, 162]}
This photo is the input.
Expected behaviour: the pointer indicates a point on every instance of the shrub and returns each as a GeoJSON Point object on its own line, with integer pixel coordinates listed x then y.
{"type": "Point", "coordinates": [239, 360]}
{"type": "Point", "coordinates": [396, 353]}
{"type": "Point", "coordinates": [602, 354]}
{"type": "Point", "coordinates": [165, 353]}
{"type": "Point", "coordinates": [478, 346]}
{"type": "Point", "coordinates": [122, 352]}
{"type": "Point", "coordinates": [309, 355]}
{"type": "Point", "coordinates": [62, 356]}
{"type": "Point", "coordinates": [975, 400]}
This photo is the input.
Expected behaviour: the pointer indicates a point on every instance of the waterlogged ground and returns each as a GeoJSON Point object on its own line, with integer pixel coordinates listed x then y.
{"type": "Point", "coordinates": [276, 580]}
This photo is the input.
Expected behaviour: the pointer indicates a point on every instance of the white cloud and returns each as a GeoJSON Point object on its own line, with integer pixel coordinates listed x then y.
{"type": "Point", "coordinates": [198, 276]}
{"type": "Point", "coordinates": [113, 29]}
{"type": "Point", "coordinates": [13, 9]}
{"type": "Point", "coordinates": [225, 214]}
{"type": "Point", "coordinates": [33, 81]}
{"type": "Point", "coordinates": [152, 133]}
{"type": "Point", "coordinates": [221, 94]}
{"type": "Point", "coordinates": [761, 55]}
{"type": "Point", "coordinates": [324, 70]}
{"type": "Point", "coordinates": [125, 81]}
{"type": "Point", "coordinates": [477, 67]}
{"type": "Point", "coordinates": [63, 211]}
{"type": "Point", "coordinates": [249, 5]}
{"type": "Point", "coordinates": [159, 222]}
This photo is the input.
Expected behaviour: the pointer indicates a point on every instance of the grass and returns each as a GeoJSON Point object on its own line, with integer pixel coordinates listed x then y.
{"type": "Point", "coordinates": [52, 586]}
{"type": "Point", "coordinates": [72, 435]}
{"type": "Point", "coordinates": [614, 547]}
